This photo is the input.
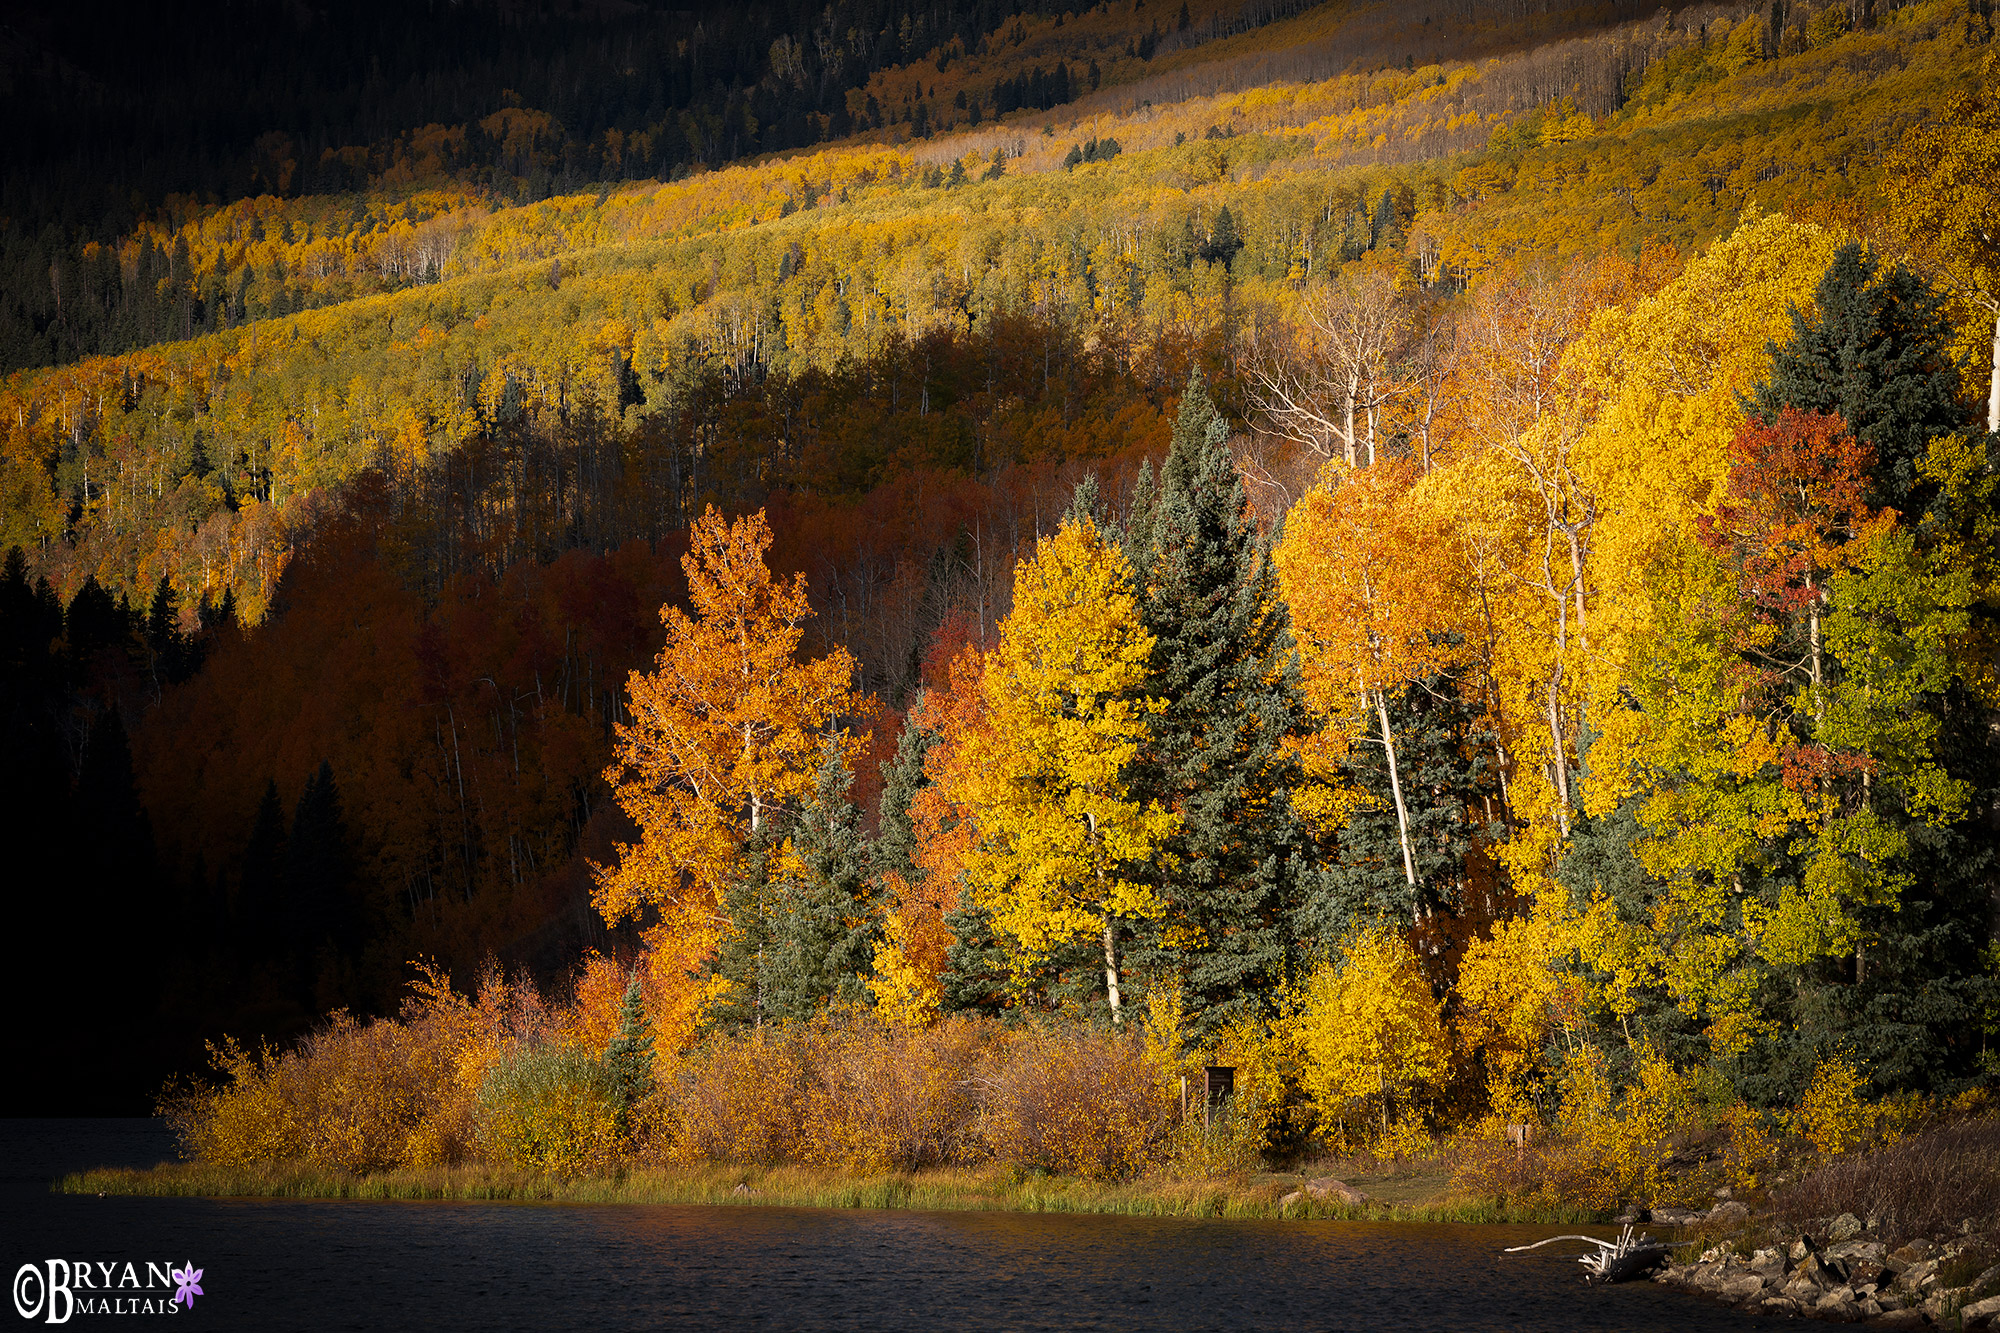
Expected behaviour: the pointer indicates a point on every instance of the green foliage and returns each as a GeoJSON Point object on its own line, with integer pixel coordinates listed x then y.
{"type": "Point", "coordinates": [824, 925]}
{"type": "Point", "coordinates": [550, 1107]}
{"type": "Point", "coordinates": [629, 1057]}
{"type": "Point", "coordinates": [1223, 661]}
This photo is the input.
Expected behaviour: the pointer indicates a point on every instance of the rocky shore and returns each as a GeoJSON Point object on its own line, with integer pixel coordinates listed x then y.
{"type": "Point", "coordinates": [1839, 1270]}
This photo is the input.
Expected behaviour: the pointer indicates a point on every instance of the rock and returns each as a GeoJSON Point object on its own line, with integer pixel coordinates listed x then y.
{"type": "Point", "coordinates": [1986, 1283]}
{"type": "Point", "coordinates": [1739, 1287]}
{"type": "Point", "coordinates": [746, 1190]}
{"type": "Point", "coordinates": [1889, 1300]}
{"type": "Point", "coordinates": [1980, 1313]}
{"type": "Point", "coordinates": [1868, 1306]}
{"type": "Point", "coordinates": [1901, 1319]}
{"type": "Point", "coordinates": [1845, 1227]}
{"type": "Point", "coordinates": [1291, 1198]}
{"type": "Point", "coordinates": [1729, 1213]}
{"type": "Point", "coordinates": [1779, 1305]}
{"type": "Point", "coordinates": [1677, 1217]}
{"type": "Point", "coordinates": [1803, 1290]}
{"type": "Point", "coordinates": [1857, 1249]}
{"type": "Point", "coordinates": [1633, 1217]}
{"type": "Point", "coordinates": [1860, 1271]}
{"type": "Point", "coordinates": [1327, 1187]}
{"type": "Point", "coordinates": [1799, 1251]}
{"type": "Point", "coordinates": [1838, 1305]}
{"type": "Point", "coordinates": [1914, 1253]}
{"type": "Point", "coordinates": [1917, 1275]}
{"type": "Point", "coordinates": [1769, 1262]}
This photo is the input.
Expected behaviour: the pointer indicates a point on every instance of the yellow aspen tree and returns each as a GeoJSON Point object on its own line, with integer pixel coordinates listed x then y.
{"type": "Point", "coordinates": [1043, 777]}
{"type": "Point", "coordinates": [1366, 1025]}
{"type": "Point", "coordinates": [725, 730]}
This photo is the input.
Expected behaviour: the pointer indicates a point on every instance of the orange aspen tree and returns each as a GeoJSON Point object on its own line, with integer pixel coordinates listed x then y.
{"type": "Point", "coordinates": [725, 731]}
{"type": "Point", "coordinates": [1373, 606]}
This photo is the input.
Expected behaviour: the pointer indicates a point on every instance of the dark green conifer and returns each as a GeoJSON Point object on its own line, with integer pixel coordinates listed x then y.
{"type": "Point", "coordinates": [1873, 352]}
{"type": "Point", "coordinates": [629, 1057]}
{"type": "Point", "coordinates": [825, 926]}
{"type": "Point", "coordinates": [1223, 660]}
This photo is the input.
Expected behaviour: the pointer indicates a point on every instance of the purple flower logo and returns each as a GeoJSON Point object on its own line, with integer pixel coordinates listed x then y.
{"type": "Point", "coordinates": [190, 1280]}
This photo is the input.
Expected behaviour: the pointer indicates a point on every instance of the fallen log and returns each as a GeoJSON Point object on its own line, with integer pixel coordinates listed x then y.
{"type": "Point", "coordinates": [1619, 1260]}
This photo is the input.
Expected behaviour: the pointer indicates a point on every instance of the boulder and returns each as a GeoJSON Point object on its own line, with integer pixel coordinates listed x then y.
{"type": "Point", "coordinates": [1769, 1262]}
{"type": "Point", "coordinates": [1738, 1286]}
{"type": "Point", "coordinates": [1326, 1187]}
{"type": "Point", "coordinates": [1779, 1305]}
{"type": "Point", "coordinates": [1845, 1227]}
{"type": "Point", "coordinates": [1901, 1319]}
{"type": "Point", "coordinates": [1729, 1213]}
{"type": "Point", "coordinates": [1838, 1305]}
{"type": "Point", "coordinates": [1677, 1217]}
{"type": "Point", "coordinates": [1980, 1314]}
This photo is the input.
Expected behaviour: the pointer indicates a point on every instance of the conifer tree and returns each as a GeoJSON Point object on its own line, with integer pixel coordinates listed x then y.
{"type": "Point", "coordinates": [743, 955]}
{"type": "Point", "coordinates": [1222, 660]}
{"type": "Point", "coordinates": [259, 903]}
{"type": "Point", "coordinates": [629, 1057]}
{"type": "Point", "coordinates": [1872, 353]}
{"type": "Point", "coordinates": [902, 777]}
{"type": "Point", "coordinates": [824, 928]}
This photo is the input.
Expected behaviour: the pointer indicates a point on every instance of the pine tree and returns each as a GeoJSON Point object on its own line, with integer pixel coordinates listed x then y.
{"type": "Point", "coordinates": [1873, 352]}
{"type": "Point", "coordinates": [629, 1057]}
{"type": "Point", "coordinates": [825, 927]}
{"type": "Point", "coordinates": [1223, 661]}
{"type": "Point", "coordinates": [902, 778]}
{"type": "Point", "coordinates": [743, 955]}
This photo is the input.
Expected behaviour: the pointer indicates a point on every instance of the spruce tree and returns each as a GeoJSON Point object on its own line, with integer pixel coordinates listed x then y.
{"type": "Point", "coordinates": [902, 778]}
{"type": "Point", "coordinates": [1442, 752]}
{"type": "Point", "coordinates": [744, 954]}
{"type": "Point", "coordinates": [629, 1057]}
{"type": "Point", "coordinates": [1873, 352]}
{"type": "Point", "coordinates": [323, 926]}
{"type": "Point", "coordinates": [1223, 661]}
{"type": "Point", "coordinates": [259, 900]}
{"type": "Point", "coordinates": [825, 927]}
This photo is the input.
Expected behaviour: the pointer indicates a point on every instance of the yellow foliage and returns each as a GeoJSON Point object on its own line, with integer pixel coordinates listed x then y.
{"type": "Point", "coordinates": [1044, 777]}
{"type": "Point", "coordinates": [1832, 1116]}
{"type": "Point", "coordinates": [1365, 1026]}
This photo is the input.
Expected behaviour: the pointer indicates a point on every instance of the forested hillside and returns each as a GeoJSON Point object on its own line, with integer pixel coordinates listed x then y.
{"type": "Point", "coordinates": [1500, 496]}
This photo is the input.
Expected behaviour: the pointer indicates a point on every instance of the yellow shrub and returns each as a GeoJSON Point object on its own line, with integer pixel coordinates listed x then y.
{"type": "Point", "coordinates": [1833, 1118]}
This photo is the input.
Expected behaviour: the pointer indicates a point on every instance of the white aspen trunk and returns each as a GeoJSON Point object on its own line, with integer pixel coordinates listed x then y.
{"type": "Point", "coordinates": [1993, 392]}
{"type": "Point", "coordinates": [1111, 990]}
{"type": "Point", "coordinates": [1396, 789]}
{"type": "Point", "coordinates": [1352, 389]}
{"type": "Point", "coordinates": [1558, 764]}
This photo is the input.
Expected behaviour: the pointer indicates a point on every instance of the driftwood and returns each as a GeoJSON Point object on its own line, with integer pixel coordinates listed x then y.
{"type": "Point", "coordinates": [1618, 1260]}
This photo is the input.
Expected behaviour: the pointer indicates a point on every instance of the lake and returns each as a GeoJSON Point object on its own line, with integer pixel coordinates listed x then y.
{"type": "Point", "coordinates": [281, 1265]}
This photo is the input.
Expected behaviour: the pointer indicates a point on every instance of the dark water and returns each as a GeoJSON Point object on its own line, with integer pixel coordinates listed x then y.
{"type": "Point", "coordinates": [278, 1265]}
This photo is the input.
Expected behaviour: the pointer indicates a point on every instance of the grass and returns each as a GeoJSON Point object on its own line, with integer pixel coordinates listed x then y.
{"type": "Point", "coordinates": [993, 1189]}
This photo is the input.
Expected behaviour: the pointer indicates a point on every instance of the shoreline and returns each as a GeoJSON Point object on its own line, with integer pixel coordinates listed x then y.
{"type": "Point", "coordinates": [942, 1189]}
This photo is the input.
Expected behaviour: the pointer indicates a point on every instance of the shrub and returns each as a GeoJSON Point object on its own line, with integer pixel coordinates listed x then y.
{"type": "Point", "coordinates": [1081, 1102]}
{"type": "Point", "coordinates": [550, 1108]}
{"type": "Point", "coordinates": [353, 1096]}
{"type": "Point", "coordinates": [1926, 1184]}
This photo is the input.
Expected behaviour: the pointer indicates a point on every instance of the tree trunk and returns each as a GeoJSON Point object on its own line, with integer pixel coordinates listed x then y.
{"type": "Point", "coordinates": [1396, 789]}
{"type": "Point", "coordinates": [1111, 970]}
{"type": "Point", "coordinates": [1993, 393]}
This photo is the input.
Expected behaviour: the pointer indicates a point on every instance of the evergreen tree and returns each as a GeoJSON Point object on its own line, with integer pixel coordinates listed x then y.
{"type": "Point", "coordinates": [825, 927]}
{"type": "Point", "coordinates": [975, 977]}
{"type": "Point", "coordinates": [1223, 660]}
{"type": "Point", "coordinates": [322, 925]}
{"type": "Point", "coordinates": [743, 956]}
{"type": "Point", "coordinates": [260, 911]}
{"type": "Point", "coordinates": [902, 778]}
{"type": "Point", "coordinates": [1872, 352]}
{"type": "Point", "coordinates": [629, 1057]}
